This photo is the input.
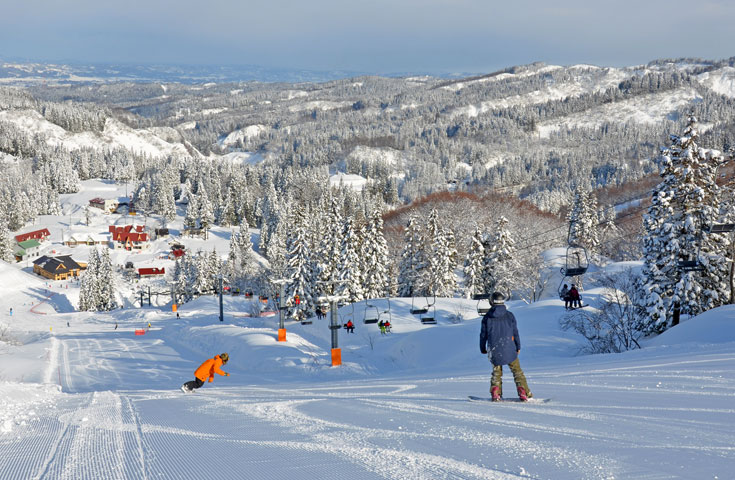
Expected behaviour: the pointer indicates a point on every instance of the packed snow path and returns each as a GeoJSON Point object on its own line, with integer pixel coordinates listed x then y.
{"type": "Point", "coordinates": [120, 415]}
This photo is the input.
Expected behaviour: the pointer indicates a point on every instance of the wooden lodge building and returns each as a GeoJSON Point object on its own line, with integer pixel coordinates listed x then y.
{"type": "Point", "coordinates": [62, 267]}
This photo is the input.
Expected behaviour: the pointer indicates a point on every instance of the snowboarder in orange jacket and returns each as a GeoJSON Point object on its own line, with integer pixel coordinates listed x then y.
{"type": "Point", "coordinates": [206, 372]}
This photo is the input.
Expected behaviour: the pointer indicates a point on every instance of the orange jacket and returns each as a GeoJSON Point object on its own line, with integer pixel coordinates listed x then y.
{"type": "Point", "coordinates": [209, 368]}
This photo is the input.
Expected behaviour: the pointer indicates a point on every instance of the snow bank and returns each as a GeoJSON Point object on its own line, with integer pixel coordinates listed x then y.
{"type": "Point", "coordinates": [21, 403]}
{"type": "Point", "coordinates": [713, 326]}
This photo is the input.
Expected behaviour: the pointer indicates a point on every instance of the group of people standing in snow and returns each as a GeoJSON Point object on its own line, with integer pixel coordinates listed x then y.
{"type": "Point", "coordinates": [572, 298]}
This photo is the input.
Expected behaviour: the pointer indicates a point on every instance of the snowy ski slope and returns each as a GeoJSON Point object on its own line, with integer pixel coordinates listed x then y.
{"type": "Point", "coordinates": [88, 401]}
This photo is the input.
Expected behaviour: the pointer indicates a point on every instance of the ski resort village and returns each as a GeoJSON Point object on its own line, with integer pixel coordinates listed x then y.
{"type": "Point", "coordinates": [521, 275]}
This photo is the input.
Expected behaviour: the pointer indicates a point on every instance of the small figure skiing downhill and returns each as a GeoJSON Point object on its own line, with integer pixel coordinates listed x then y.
{"type": "Point", "coordinates": [499, 336]}
{"type": "Point", "coordinates": [206, 372]}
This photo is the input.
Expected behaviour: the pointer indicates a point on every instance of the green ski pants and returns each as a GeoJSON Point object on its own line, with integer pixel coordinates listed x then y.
{"type": "Point", "coordinates": [518, 377]}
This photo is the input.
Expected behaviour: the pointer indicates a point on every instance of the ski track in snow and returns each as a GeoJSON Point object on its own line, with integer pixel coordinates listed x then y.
{"type": "Point", "coordinates": [366, 444]}
{"type": "Point", "coordinates": [107, 434]}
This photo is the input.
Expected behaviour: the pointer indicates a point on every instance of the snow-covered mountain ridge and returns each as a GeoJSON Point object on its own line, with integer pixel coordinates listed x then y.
{"type": "Point", "coordinates": [533, 128]}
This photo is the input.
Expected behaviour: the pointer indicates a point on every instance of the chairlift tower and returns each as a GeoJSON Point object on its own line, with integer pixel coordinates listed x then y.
{"type": "Point", "coordinates": [334, 324]}
{"type": "Point", "coordinates": [282, 306]}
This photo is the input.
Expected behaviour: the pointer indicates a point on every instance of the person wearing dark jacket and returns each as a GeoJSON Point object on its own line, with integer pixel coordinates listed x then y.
{"type": "Point", "coordinates": [574, 297]}
{"type": "Point", "coordinates": [500, 341]}
{"type": "Point", "coordinates": [564, 295]}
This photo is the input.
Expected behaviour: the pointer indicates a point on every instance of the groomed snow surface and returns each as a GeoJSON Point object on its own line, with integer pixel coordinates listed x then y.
{"type": "Point", "coordinates": [88, 401]}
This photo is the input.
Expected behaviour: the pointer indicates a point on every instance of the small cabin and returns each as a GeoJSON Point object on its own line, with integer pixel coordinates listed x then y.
{"type": "Point", "coordinates": [151, 272]}
{"type": "Point", "coordinates": [57, 268]}
{"type": "Point", "coordinates": [40, 235]}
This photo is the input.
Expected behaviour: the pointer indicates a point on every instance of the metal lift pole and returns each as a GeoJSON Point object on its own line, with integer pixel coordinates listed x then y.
{"type": "Point", "coordinates": [221, 313]}
{"type": "Point", "coordinates": [335, 326]}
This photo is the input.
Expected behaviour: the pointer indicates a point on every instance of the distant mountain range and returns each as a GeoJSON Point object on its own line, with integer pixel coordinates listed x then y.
{"type": "Point", "coordinates": [24, 73]}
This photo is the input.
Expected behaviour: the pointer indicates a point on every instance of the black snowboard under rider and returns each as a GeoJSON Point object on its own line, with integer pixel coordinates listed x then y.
{"type": "Point", "coordinates": [196, 383]}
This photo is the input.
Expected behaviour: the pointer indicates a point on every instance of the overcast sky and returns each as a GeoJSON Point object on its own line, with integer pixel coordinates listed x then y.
{"type": "Point", "coordinates": [375, 36]}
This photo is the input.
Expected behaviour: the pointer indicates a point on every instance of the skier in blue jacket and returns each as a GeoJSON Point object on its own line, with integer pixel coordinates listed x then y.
{"type": "Point", "coordinates": [499, 336]}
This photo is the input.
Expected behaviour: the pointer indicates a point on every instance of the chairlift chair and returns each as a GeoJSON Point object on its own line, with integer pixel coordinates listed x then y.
{"type": "Point", "coordinates": [690, 266]}
{"type": "Point", "coordinates": [482, 310]}
{"type": "Point", "coordinates": [415, 310]}
{"type": "Point", "coordinates": [371, 314]}
{"type": "Point", "coordinates": [720, 228]}
{"type": "Point", "coordinates": [347, 316]}
{"type": "Point", "coordinates": [429, 319]}
{"type": "Point", "coordinates": [577, 262]}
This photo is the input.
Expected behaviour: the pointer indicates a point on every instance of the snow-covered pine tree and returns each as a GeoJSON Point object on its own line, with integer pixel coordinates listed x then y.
{"type": "Point", "coordinates": [442, 259]}
{"type": "Point", "coordinates": [246, 248]}
{"type": "Point", "coordinates": [142, 198]}
{"type": "Point", "coordinates": [6, 241]}
{"type": "Point", "coordinates": [299, 274]}
{"type": "Point", "coordinates": [179, 281]}
{"type": "Point", "coordinates": [375, 258]}
{"type": "Point", "coordinates": [583, 221]}
{"type": "Point", "coordinates": [349, 264]}
{"type": "Point", "coordinates": [269, 211]}
{"type": "Point", "coordinates": [727, 214]}
{"type": "Point", "coordinates": [206, 212]}
{"type": "Point", "coordinates": [229, 212]}
{"type": "Point", "coordinates": [89, 287]}
{"type": "Point", "coordinates": [215, 268]}
{"type": "Point", "coordinates": [697, 200]}
{"type": "Point", "coordinates": [106, 286]}
{"type": "Point", "coordinates": [681, 206]}
{"type": "Point", "coordinates": [413, 260]}
{"type": "Point", "coordinates": [192, 212]}
{"type": "Point", "coordinates": [502, 267]}
{"type": "Point", "coordinates": [234, 272]}
{"type": "Point", "coordinates": [330, 244]}
{"type": "Point", "coordinates": [163, 198]}
{"type": "Point", "coordinates": [201, 283]}
{"type": "Point", "coordinates": [474, 265]}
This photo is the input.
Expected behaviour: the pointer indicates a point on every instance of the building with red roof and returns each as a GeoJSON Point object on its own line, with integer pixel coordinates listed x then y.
{"type": "Point", "coordinates": [40, 235]}
{"type": "Point", "coordinates": [151, 272]}
{"type": "Point", "coordinates": [129, 237]}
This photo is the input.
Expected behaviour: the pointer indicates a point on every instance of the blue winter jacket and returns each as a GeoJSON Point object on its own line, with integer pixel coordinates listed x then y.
{"type": "Point", "coordinates": [499, 336]}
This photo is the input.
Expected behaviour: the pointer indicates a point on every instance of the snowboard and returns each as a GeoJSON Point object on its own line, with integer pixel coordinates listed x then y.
{"type": "Point", "coordinates": [473, 398]}
{"type": "Point", "coordinates": [185, 390]}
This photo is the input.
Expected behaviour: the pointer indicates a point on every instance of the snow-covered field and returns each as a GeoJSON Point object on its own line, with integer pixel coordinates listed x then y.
{"type": "Point", "coordinates": [86, 400]}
